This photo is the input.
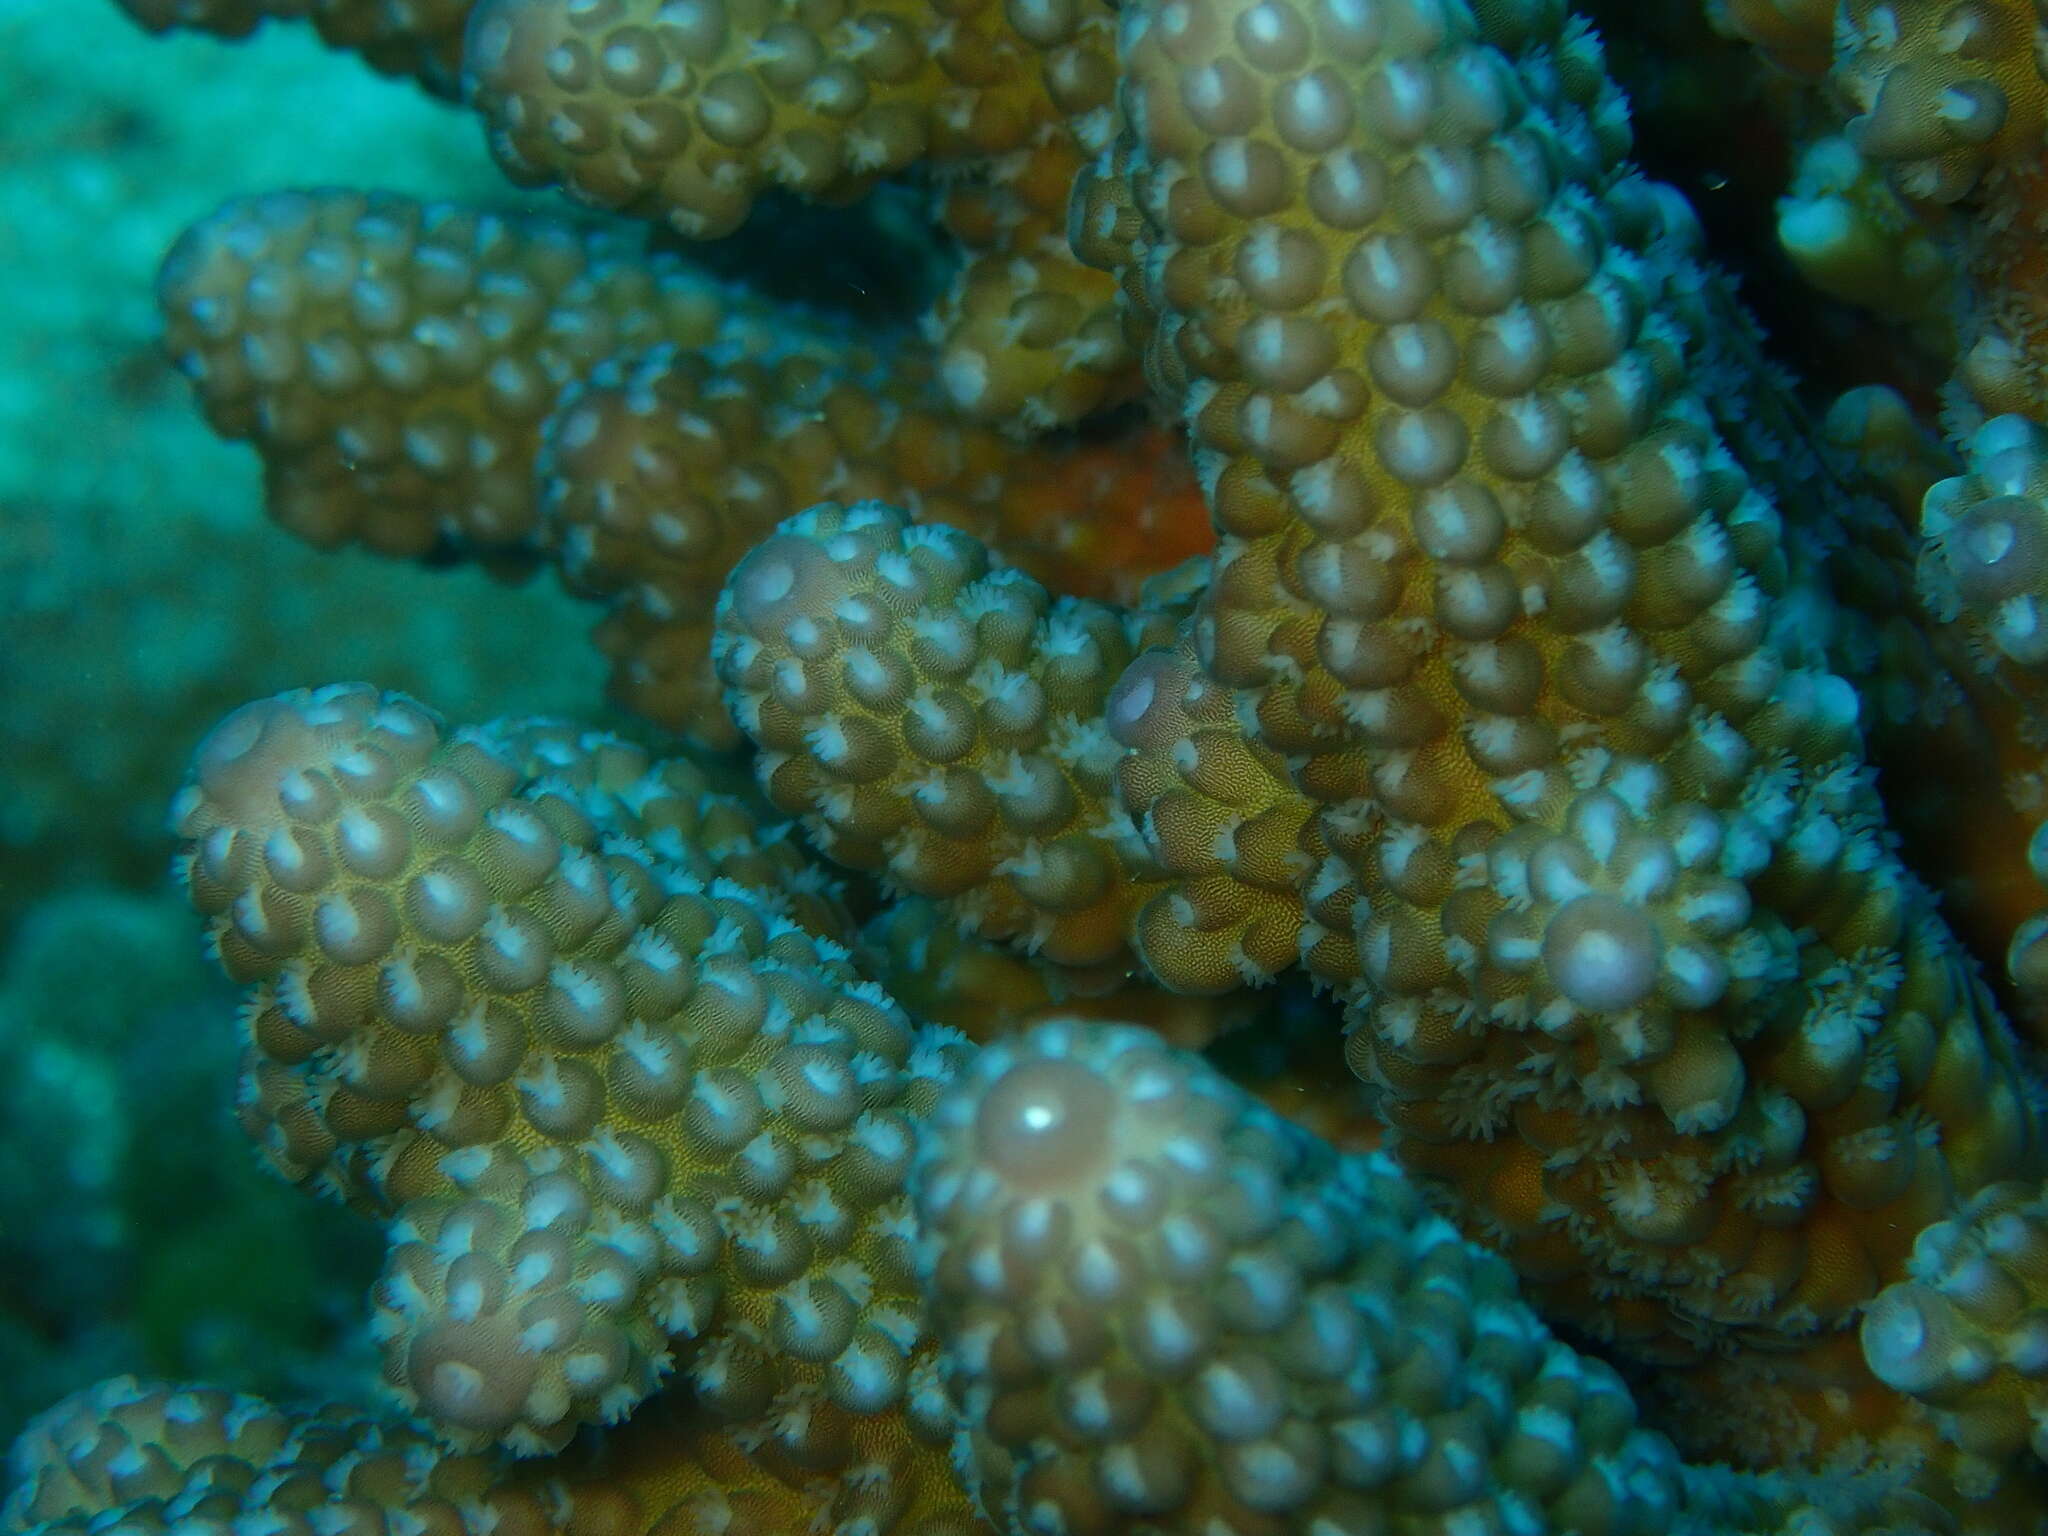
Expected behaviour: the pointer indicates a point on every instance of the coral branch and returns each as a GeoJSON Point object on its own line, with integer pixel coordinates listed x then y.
{"type": "Point", "coordinates": [1515, 677]}
{"type": "Point", "coordinates": [940, 722]}
{"type": "Point", "coordinates": [421, 38]}
{"type": "Point", "coordinates": [613, 1100]}
{"type": "Point", "coordinates": [393, 361]}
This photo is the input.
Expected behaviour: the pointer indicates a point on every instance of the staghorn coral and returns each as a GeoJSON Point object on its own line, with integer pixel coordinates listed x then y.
{"type": "Point", "coordinates": [1231, 1251]}
{"type": "Point", "coordinates": [850, 751]}
{"type": "Point", "coordinates": [762, 1132]}
{"type": "Point", "coordinates": [430, 381]}
{"type": "Point", "coordinates": [1509, 710]}
{"type": "Point", "coordinates": [394, 360]}
{"type": "Point", "coordinates": [1852, 236]}
{"type": "Point", "coordinates": [1947, 101]}
{"type": "Point", "coordinates": [1514, 629]}
{"type": "Point", "coordinates": [986, 990]}
{"type": "Point", "coordinates": [144, 596]}
{"type": "Point", "coordinates": [1981, 571]}
{"type": "Point", "coordinates": [687, 114]}
{"type": "Point", "coordinates": [1167, 1305]}
{"type": "Point", "coordinates": [1662, 923]}
{"type": "Point", "coordinates": [2001, 366]}
{"type": "Point", "coordinates": [1983, 561]}
{"type": "Point", "coordinates": [144, 593]}
{"type": "Point", "coordinates": [1891, 446]}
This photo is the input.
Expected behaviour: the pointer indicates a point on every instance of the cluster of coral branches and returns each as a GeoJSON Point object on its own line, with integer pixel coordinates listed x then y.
{"type": "Point", "coordinates": [1333, 581]}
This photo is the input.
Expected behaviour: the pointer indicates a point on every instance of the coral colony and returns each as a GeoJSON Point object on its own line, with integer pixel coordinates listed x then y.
{"type": "Point", "coordinates": [1334, 567]}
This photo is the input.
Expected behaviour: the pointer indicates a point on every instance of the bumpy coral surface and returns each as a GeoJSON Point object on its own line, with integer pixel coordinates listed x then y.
{"type": "Point", "coordinates": [588, 1041]}
{"type": "Point", "coordinates": [1945, 92]}
{"type": "Point", "coordinates": [144, 594]}
{"type": "Point", "coordinates": [663, 1113]}
{"type": "Point", "coordinates": [1508, 609]}
{"type": "Point", "coordinates": [400, 37]}
{"type": "Point", "coordinates": [167, 1456]}
{"type": "Point", "coordinates": [1982, 570]}
{"type": "Point", "coordinates": [1165, 1304]}
{"type": "Point", "coordinates": [941, 721]}
{"type": "Point", "coordinates": [1542, 707]}
{"type": "Point", "coordinates": [398, 359]}
{"type": "Point", "coordinates": [686, 113]}
{"type": "Point", "coordinates": [1949, 102]}
{"type": "Point", "coordinates": [1967, 1331]}
{"type": "Point", "coordinates": [657, 476]}
{"type": "Point", "coordinates": [1854, 237]}
{"type": "Point", "coordinates": [427, 380]}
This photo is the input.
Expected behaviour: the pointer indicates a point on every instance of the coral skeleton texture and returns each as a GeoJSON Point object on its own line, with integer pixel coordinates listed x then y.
{"type": "Point", "coordinates": [1385, 892]}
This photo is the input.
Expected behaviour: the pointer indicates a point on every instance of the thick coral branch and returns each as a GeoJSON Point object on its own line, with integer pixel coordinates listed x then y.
{"type": "Point", "coordinates": [939, 719]}
{"type": "Point", "coordinates": [685, 113]}
{"type": "Point", "coordinates": [392, 360]}
{"type": "Point", "coordinates": [559, 1028]}
{"type": "Point", "coordinates": [1496, 594]}
{"type": "Point", "coordinates": [161, 1458]}
{"type": "Point", "coordinates": [421, 38]}
{"type": "Point", "coordinates": [663, 468]}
